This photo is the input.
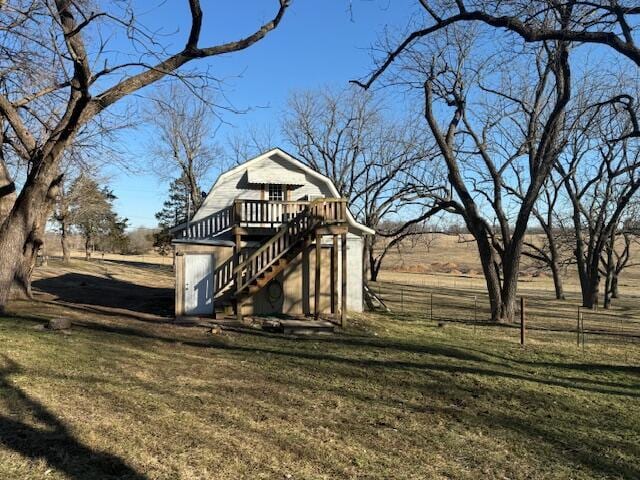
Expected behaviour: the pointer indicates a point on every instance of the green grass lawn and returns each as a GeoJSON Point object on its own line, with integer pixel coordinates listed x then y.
{"type": "Point", "coordinates": [388, 398]}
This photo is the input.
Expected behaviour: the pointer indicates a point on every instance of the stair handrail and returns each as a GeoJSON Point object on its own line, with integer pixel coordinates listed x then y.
{"type": "Point", "coordinates": [251, 259]}
{"type": "Point", "coordinates": [223, 274]}
{"type": "Point", "coordinates": [312, 216]}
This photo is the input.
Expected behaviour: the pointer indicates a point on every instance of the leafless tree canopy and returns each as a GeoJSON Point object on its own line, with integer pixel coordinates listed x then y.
{"type": "Point", "coordinates": [497, 125]}
{"type": "Point", "coordinates": [382, 166]}
{"type": "Point", "coordinates": [500, 132]}
{"type": "Point", "coordinates": [601, 176]}
{"type": "Point", "coordinates": [612, 23]}
{"type": "Point", "coordinates": [183, 138]}
{"type": "Point", "coordinates": [57, 52]}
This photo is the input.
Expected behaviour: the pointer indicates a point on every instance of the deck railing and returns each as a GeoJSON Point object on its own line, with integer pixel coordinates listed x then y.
{"type": "Point", "coordinates": [330, 210]}
{"type": "Point", "coordinates": [266, 213]}
{"type": "Point", "coordinates": [209, 226]}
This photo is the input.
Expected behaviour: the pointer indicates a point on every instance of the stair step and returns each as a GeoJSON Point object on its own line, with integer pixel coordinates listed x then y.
{"type": "Point", "coordinates": [262, 279]}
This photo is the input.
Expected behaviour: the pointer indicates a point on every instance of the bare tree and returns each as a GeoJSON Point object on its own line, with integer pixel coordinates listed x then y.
{"type": "Point", "coordinates": [183, 141]}
{"type": "Point", "coordinates": [62, 215]}
{"type": "Point", "coordinates": [251, 142]}
{"type": "Point", "coordinates": [381, 166]}
{"type": "Point", "coordinates": [553, 248]}
{"type": "Point", "coordinates": [617, 255]}
{"type": "Point", "coordinates": [68, 38]}
{"type": "Point", "coordinates": [490, 118]}
{"type": "Point", "coordinates": [601, 176]}
{"type": "Point", "coordinates": [600, 22]}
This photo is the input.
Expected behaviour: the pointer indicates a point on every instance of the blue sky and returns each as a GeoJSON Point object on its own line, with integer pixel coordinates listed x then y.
{"type": "Point", "coordinates": [318, 43]}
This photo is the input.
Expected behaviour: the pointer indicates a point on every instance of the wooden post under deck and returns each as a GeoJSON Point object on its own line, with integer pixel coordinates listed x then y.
{"type": "Point", "coordinates": [316, 306]}
{"type": "Point", "coordinates": [334, 277]}
{"type": "Point", "coordinates": [306, 295]}
{"type": "Point", "coordinates": [343, 309]}
{"type": "Point", "coordinates": [236, 252]}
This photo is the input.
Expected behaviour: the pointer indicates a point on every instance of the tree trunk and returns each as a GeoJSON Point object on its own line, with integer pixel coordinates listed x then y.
{"type": "Point", "coordinates": [194, 190]}
{"type": "Point", "coordinates": [14, 243]}
{"type": "Point", "coordinates": [607, 284]}
{"type": "Point", "coordinates": [554, 263]}
{"type": "Point", "coordinates": [64, 241]}
{"type": "Point", "coordinates": [557, 280]}
{"type": "Point", "coordinates": [509, 299]}
{"type": "Point", "coordinates": [19, 232]}
{"type": "Point", "coordinates": [7, 191]}
{"type": "Point", "coordinates": [366, 258]}
{"type": "Point", "coordinates": [590, 292]}
{"type": "Point", "coordinates": [24, 270]}
{"type": "Point", "coordinates": [492, 278]}
{"type": "Point", "coordinates": [33, 244]}
{"type": "Point", "coordinates": [614, 286]}
{"type": "Point", "coordinates": [607, 292]}
{"type": "Point", "coordinates": [87, 249]}
{"type": "Point", "coordinates": [374, 270]}
{"type": "Point", "coordinates": [372, 264]}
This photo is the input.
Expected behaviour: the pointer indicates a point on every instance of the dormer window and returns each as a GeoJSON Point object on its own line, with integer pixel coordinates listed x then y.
{"type": "Point", "coordinates": [276, 192]}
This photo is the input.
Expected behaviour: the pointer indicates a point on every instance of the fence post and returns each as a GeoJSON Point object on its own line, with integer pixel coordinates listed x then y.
{"type": "Point", "coordinates": [582, 328]}
{"type": "Point", "coordinates": [475, 308]}
{"type": "Point", "coordinates": [431, 305]}
{"type": "Point", "coordinates": [522, 321]}
{"type": "Point", "coordinates": [578, 328]}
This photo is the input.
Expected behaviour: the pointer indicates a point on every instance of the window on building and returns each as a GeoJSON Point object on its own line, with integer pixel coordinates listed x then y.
{"type": "Point", "coordinates": [276, 193]}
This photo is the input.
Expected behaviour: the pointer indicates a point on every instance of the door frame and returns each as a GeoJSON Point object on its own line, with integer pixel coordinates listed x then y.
{"type": "Point", "coordinates": [184, 285]}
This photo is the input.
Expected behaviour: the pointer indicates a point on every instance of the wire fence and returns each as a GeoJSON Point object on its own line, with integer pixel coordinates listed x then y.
{"type": "Point", "coordinates": [543, 314]}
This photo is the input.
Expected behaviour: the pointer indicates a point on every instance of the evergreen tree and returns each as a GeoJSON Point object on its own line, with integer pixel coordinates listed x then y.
{"type": "Point", "coordinates": [176, 208]}
{"type": "Point", "coordinates": [175, 211]}
{"type": "Point", "coordinates": [92, 215]}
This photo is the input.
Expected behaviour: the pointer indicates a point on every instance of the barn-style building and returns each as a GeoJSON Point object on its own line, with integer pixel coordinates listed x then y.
{"type": "Point", "coordinates": [272, 236]}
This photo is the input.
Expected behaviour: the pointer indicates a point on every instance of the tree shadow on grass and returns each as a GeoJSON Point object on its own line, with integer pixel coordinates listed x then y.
{"type": "Point", "coordinates": [86, 289]}
{"type": "Point", "coordinates": [53, 442]}
{"type": "Point", "coordinates": [469, 365]}
{"type": "Point", "coordinates": [575, 446]}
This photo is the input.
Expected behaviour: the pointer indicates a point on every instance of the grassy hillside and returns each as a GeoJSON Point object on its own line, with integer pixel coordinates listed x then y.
{"type": "Point", "coordinates": [125, 395]}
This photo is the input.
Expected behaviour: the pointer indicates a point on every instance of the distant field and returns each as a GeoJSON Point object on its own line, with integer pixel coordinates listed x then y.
{"type": "Point", "coordinates": [452, 261]}
{"type": "Point", "coordinates": [149, 257]}
{"type": "Point", "coordinates": [446, 273]}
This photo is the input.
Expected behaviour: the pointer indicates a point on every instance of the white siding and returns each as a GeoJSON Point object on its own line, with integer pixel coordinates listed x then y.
{"type": "Point", "coordinates": [234, 185]}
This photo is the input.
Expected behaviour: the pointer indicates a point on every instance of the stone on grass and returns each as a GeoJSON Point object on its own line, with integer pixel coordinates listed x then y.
{"type": "Point", "coordinates": [59, 324]}
{"type": "Point", "coordinates": [216, 330]}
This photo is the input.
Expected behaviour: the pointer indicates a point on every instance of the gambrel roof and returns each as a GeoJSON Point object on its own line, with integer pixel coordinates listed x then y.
{"type": "Point", "coordinates": [295, 177]}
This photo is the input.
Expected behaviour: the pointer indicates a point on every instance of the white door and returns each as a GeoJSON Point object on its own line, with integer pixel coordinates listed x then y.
{"type": "Point", "coordinates": [198, 284]}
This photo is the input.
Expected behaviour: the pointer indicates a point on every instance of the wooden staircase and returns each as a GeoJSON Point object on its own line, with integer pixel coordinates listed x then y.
{"type": "Point", "coordinates": [256, 270]}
